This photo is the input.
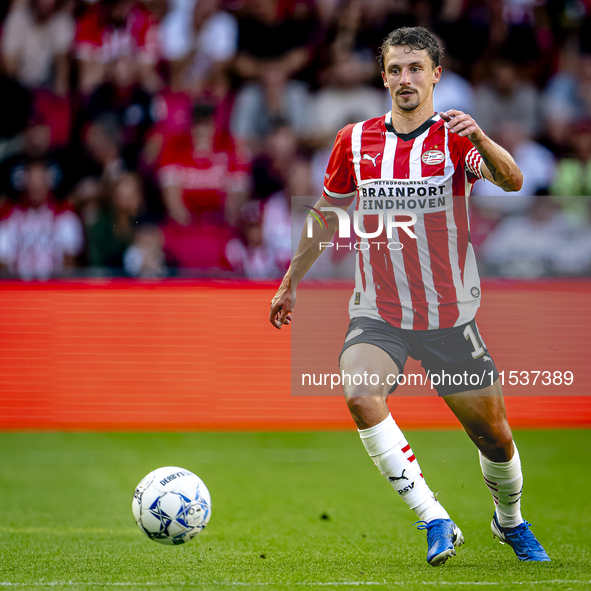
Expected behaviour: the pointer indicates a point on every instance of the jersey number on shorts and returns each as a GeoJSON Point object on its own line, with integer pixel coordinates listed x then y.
{"type": "Point", "coordinates": [478, 349]}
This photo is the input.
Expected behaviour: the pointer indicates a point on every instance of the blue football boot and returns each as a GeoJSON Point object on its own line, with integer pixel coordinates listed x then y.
{"type": "Point", "coordinates": [443, 536]}
{"type": "Point", "coordinates": [520, 538]}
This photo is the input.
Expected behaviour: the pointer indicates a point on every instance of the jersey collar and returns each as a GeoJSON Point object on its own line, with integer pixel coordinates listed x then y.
{"type": "Point", "coordinates": [413, 134]}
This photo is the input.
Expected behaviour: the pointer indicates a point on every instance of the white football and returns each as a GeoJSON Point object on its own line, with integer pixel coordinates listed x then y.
{"type": "Point", "coordinates": [171, 505]}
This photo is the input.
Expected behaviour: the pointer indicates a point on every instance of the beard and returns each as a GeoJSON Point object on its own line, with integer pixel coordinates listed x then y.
{"type": "Point", "coordinates": [408, 103]}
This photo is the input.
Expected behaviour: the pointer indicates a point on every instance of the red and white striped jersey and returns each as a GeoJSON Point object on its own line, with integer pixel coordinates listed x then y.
{"type": "Point", "coordinates": [416, 284]}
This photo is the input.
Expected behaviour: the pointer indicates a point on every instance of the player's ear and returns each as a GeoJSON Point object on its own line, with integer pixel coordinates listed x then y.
{"type": "Point", "coordinates": [436, 74]}
{"type": "Point", "coordinates": [385, 79]}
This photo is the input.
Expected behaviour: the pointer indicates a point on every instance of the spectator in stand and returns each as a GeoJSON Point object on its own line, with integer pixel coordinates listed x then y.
{"type": "Point", "coordinates": [250, 255]}
{"type": "Point", "coordinates": [508, 98]}
{"type": "Point", "coordinates": [277, 218]}
{"type": "Point", "coordinates": [102, 157]}
{"type": "Point", "coordinates": [198, 40]}
{"type": "Point", "coordinates": [453, 91]}
{"type": "Point", "coordinates": [574, 257]}
{"type": "Point", "coordinates": [113, 232]}
{"type": "Point", "coordinates": [535, 161]}
{"type": "Point", "coordinates": [281, 216]}
{"type": "Point", "coordinates": [203, 187]}
{"type": "Point", "coordinates": [572, 183]}
{"type": "Point", "coordinates": [36, 144]}
{"type": "Point", "coordinates": [17, 101]}
{"type": "Point", "coordinates": [36, 38]}
{"type": "Point", "coordinates": [526, 245]}
{"type": "Point", "coordinates": [271, 167]}
{"type": "Point", "coordinates": [97, 166]}
{"type": "Point", "coordinates": [145, 257]}
{"type": "Point", "coordinates": [567, 100]}
{"type": "Point", "coordinates": [479, 30]}
{"type": "Point", "coordinates": [171, 113]}
{"type": "Point", "coordinates": [39, 237]}
{"type": "Point", "coordinates": [111, 29]}
{"type": "Point", "coordinates": [347, 93]}
{"type": "Point", "coordinates": [125, 100]}
{"type": "Point", "coordinates": [272, 49]}
{"type": "Point", "coordinates": [200, 177]}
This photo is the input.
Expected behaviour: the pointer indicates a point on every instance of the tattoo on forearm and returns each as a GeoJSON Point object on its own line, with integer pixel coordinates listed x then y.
{"type": "Point", "coordinates": [492, 169]}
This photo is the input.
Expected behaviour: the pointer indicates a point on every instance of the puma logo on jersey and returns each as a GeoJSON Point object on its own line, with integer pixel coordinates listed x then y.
{"type": "Point", "coordinates": [487, 358]}
{"type": "Point", "coordinates": [368, 157]}
{"type": "Point", "coordinates": [401, 477]}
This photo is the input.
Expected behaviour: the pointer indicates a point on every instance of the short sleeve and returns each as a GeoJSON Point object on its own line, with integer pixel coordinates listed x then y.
{"type": "Point", "coordinates": [339, 180]}
{"type": "Point", "coordinates": [472, 165]}
{"type": "Point", "coordinates": [468, 156]}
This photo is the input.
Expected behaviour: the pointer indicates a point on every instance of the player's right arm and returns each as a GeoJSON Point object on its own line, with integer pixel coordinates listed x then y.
{"type": "Point", "coordinates": [308, 250]}
{"type": "Point", "coordinates": [339, 192]}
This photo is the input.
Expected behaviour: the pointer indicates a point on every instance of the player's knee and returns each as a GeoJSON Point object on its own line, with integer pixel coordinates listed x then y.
{"type": "Point", "coordinates": [360, 393]}
{"type": "Point", "coordinates": [365, 406]}
{"type": "Point", "coordinates": [497, 443]}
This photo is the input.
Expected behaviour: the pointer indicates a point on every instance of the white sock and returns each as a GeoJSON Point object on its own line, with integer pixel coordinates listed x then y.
{"type": "Point", "coordinates": [391, 453]}
{"type": "Point", "coordinates": [505, 482]}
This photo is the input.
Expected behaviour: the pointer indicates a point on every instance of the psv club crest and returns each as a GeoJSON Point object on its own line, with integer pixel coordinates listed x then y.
{"type": "Point", "coordinates": [433, 157]}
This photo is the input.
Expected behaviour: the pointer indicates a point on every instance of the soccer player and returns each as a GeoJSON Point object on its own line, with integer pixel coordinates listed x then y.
{"type": "Point", "coordinates": [417, 290]}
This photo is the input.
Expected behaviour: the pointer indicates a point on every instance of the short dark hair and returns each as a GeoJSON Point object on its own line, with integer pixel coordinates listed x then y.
{"type": "Point", "coordinates": [416, 38]}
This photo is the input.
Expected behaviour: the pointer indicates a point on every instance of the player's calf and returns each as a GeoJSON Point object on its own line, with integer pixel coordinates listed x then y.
{"type": "Point", "coordinates": [483, 416]}
{"type": "Point", "coordinates": [395, 459]}
{"type": "Point", "coordinates": [505, 483]}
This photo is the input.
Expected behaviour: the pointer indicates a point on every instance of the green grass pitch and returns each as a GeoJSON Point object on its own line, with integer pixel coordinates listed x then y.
{"type": "Point", "coordinates": [290, 511]}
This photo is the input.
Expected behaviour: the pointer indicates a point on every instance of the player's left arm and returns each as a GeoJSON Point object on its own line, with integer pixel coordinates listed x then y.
{"type": "Point", "coordinates": [497, 165]}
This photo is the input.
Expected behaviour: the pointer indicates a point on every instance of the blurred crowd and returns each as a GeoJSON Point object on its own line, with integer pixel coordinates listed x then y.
{"type": "Point", "coordinates": [152, 138]}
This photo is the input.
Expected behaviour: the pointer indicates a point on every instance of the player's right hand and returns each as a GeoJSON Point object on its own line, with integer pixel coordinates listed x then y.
{"type": "Point", "coordinates": [282, 305]}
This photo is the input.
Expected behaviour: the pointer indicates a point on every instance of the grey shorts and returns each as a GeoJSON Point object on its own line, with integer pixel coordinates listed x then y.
{"type": "Point", "coordinates": [445, 351]}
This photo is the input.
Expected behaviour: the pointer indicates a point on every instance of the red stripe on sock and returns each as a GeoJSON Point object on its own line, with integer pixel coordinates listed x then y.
{"type": "Point", "coordinates": [406, 448]}
{"type": "Point", "coordinates": [412, 458]}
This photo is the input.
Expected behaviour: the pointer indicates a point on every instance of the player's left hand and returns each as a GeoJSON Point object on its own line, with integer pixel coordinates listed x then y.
{"type": "Point", "coordinates": [461, 123]}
